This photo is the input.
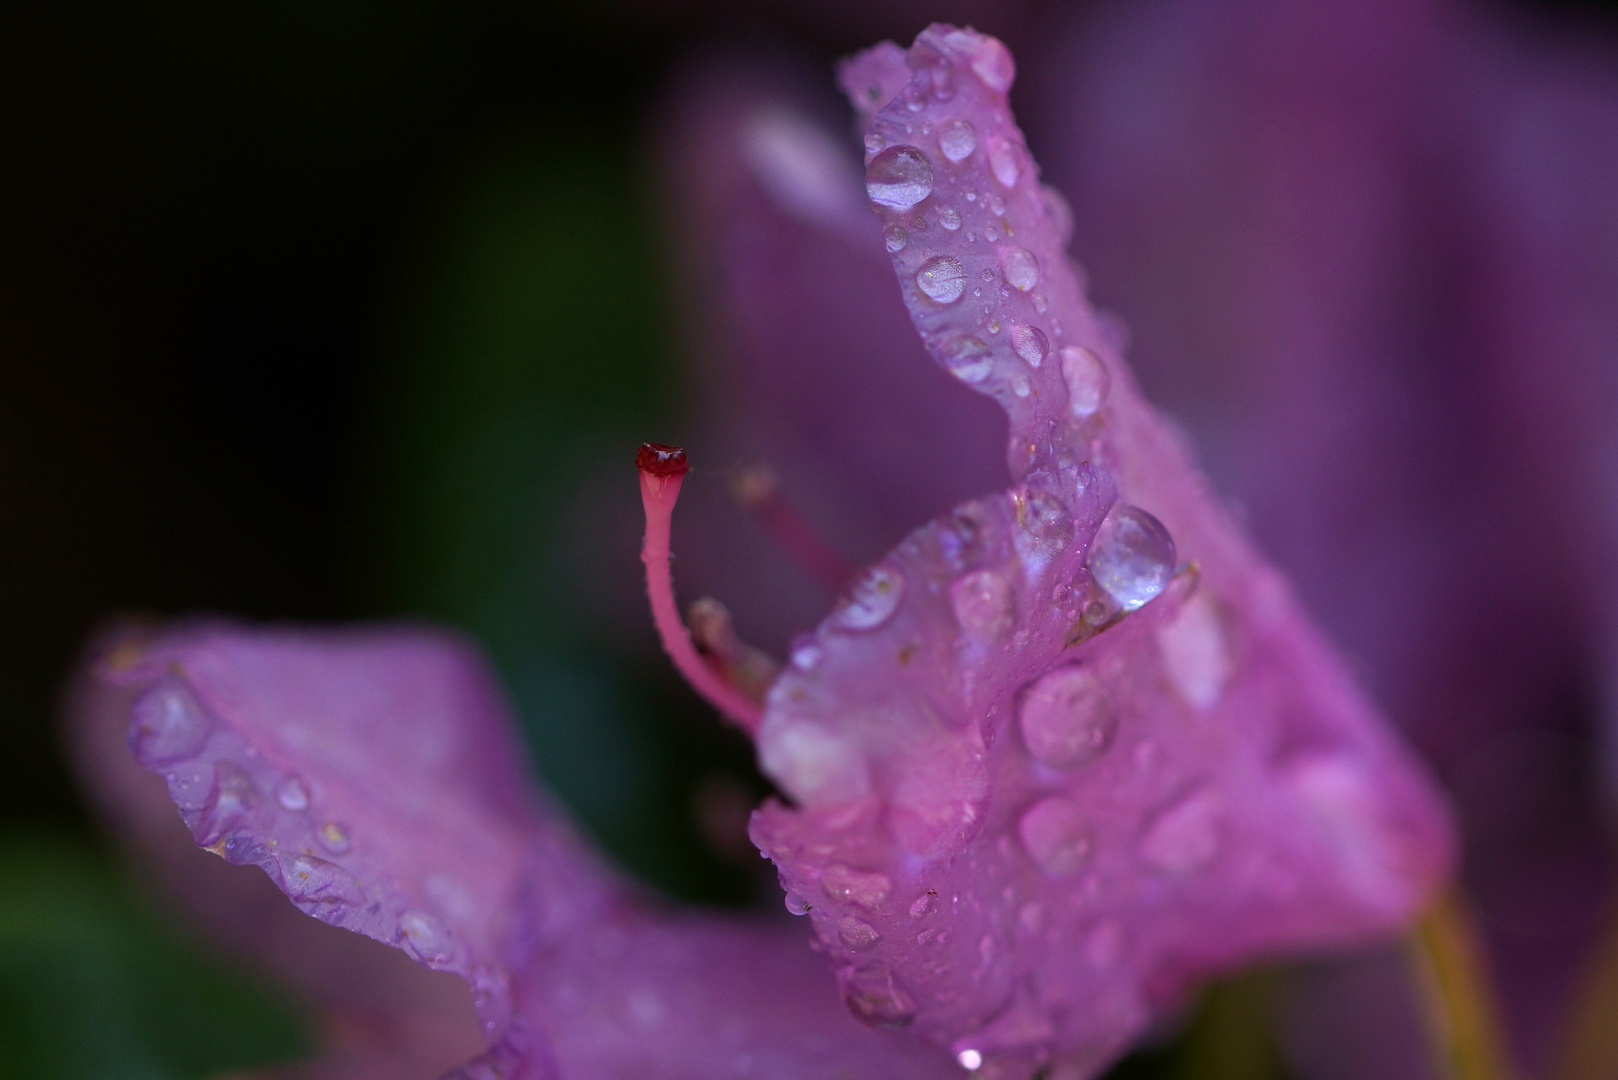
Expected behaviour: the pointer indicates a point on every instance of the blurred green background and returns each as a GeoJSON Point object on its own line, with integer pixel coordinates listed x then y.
{"type": "Point", "coordinates": [328, 311]}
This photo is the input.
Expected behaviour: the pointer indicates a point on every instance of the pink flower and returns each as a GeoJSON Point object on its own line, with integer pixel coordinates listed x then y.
{"type": "Point", "coordinates": [1061, 754]}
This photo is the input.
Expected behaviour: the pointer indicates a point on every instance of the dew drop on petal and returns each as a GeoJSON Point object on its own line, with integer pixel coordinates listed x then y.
{"type": "Point", "coordinates": [872, 599]}
{"type": "Point", "coordinates": [950, 218]}
{"type": "Point", "coordinates": [1020, 267]}
{"type": "Point", "coordinates": [293, 794]}
{"type": "Point", "coordinates": [895, 237]}
{"type": "Point", "coordinates": [872, 996]}
{"type": "Point", "coordinates": [1184, 837]}
{"type": "Point", "coordinates": [942, 278]}
{"type": "Point", "coordinates": [983, 603]}
{"type": "Point", "coordinates": [864, 888]}
{"type": "Point", "coordinates": [1132, 557]}
{"type": "Point", "coordinates": [1087, 380]}
{"type": "Point", "coordinates": [427, 937]}
{"type": "Point", "coordinates": [1030, 343]}
{"type": "Point", "coordinates": [310, 881]}
{"type": "Point", "coordinates": [1054, 835]}
{"type": "Point", "coordinates": [857, 934]}
{"type": "Point", "coordinates": [968, 358]}
{"type": "Point", "coordinates": [957, 139]}
{"type": "Point", "coordinates": [1067, 717]}
{"type": "Point", "coordinates": [333, 837]}
{"type": "Point", "coordinates": [1196, 658]}
{"type": "Point", "coordinates": [1046, 527]}
{"type": "Point", "coordinates": [807, 654]}
{"type": "Point", "coordinates": [970, 1060]}
{"type": "Point", "coordinates": [924, 905]}
{"type": "Point", "coordinates": [899, 177]}
{"type": "Point", "coordinates": [814, 765]}
{"type": "Point", "coordinates": [169, 725]}
{"type": "Point", "coordinates": [796, 904]}
{"type": "Point", "coordinates": [874, 141]}
{"type": "Point", "coordinates": [1003, 162]}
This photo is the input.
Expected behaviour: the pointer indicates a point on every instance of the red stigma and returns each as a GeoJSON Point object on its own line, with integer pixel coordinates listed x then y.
{"type": "Point", "coordinates": [659, 460]}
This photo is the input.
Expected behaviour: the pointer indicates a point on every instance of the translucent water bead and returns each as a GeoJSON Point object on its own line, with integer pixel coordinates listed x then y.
{"type": "Point", "coordinates": [1132, 557]}
{"type": "Point", "coordinates": [899, 177]}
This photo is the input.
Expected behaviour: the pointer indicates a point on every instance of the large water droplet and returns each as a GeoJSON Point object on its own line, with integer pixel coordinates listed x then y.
{"type": "Point", "coordinates": [942, 278]}
{"type": "Point", "coordinates": [427, 936]}
{"type": "Point", "coordinates": [872, 599]}
{"type": "Point", "coordinates": [796, 904]}
{"type": "Point", "coordinates": [950, 218]}
{"type": "Point", "coordinates": [235, 802]}
{"type": "Point", "coordinates": [815, 766]}
{"type": "Point", "coordinates": [1087, 380]}
{"type": "Point", "coordinates": [864, 888]}
{"type": "Point", "coordinates": [1054, 834]}
{"type": "Point", "coordinates": [873, 997]}
{"type": "Point", "coordinates": [1020, 267]}
{"type": "Point", "coordinates": [309, 880]}
{"type": "Point", "coordinates": [984, 604]}
{"type": "Point", "coordinates": [1185, 837]}
{"type": "Point", "coordinates": [957, 139]}
{"type": "Point", "coordinates": [1067, 717]}
{"type": "Point", "coordinates": [1003, 161]}
{"type": "Point", "coordinates": [1030, 343]}
{"type": "Point", "coordinates": [968, 358]}
{"type": "Point", "coordinates": [168, 724]}
{"type": "Point", "coordinates": [293, 794]}
{"type": "Point", "coordinates": [1132, 557]}
{"type": "Point", "coordinates": [899, 177]}
{"type": "Point", "coordinates": [333, 837]}
{"type": "Point", "coordinates": [857, 934]}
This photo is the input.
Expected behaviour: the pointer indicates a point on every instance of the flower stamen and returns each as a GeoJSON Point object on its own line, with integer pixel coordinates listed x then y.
{"type": "Point", "coordinates": [662, 472]}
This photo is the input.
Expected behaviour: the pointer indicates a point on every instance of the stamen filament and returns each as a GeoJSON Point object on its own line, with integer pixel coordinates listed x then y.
{"type": "Point", "coordinates": [754, 487]}
{"type": "Point", "coordinates": [662, 472]}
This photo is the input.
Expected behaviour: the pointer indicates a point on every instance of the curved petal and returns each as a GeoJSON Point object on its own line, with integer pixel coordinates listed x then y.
{"type": "Point", "coordinates": [1048, 776]}
{"type": "Point", "coordinates": [372, 774]}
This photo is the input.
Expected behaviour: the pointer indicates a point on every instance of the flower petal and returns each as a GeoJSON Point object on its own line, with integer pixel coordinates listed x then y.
{"type": "Point", "coordinates": [1047, 776]}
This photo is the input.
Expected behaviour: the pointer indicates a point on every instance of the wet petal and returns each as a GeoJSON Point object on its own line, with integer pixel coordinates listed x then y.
{"type": "Point", "coordinates": [1155, 769]}
{"type": "Point", "coordinates": [372, 774]}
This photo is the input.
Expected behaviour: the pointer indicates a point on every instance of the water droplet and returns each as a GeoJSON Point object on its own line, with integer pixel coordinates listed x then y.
{"type": "Point", "coordinates": [993, 64]}
{"type": "Point", "coordinates": [1132, 557]}
{"type": "Point", "coordinates": [1046, 526]}
{"type": "Point", "coordinates": [899, 177]}
{"type": "Point", "coordinates": [293, 794]}
{"type": "Point", "coordinates": [1041, 304]}
{"type": "Point", "coordinates": [957, 139]}
{"type": "Point", "coordinates": [942, 278]}
{"type": "Point", "coordinates": [1087, 380]}
{"type": "Point", "coordinates": [874, 141]}
{"type": "Point", "coordinates": [1020, 267]}
{"type": "Point", "coordinates": [919, 223]}
{"type": "Point", "coordinates": [168, 724]}
{"type": "Point", "coordinates": [857, 934]}
{"type": "Point", "coordinates": [235, 802]}
{"type": "Point", "coordinates": [895, 237]}
{"type": "Point", "coordinates": [970, 1060]}
{"type": "Point", "coordinates": [950, 218]}
{"type": "Point", "coordinates": [308, 880]}
{"type": "Point", "coordinates": [924, 905]}
{"type": "Point", "coordinates": [333, 837]}
{"type": "Point", "coordinates": [1067, 717]}
{"type": "Point", "coordinates": [427, 937]}
{"type": "Point", "coordinates": [1195, 656]}
{"type": "Point", "coordinates": [807, 655]}
{"type": "Point", "coordinates": [874, 998]}
{"type": "Point", "coordinates": [1003, 155]}
{"type": "Point", "coordinates": [984, 604]}
{"type": "Point", "coordinates": [1030, 343]}
{"type": "Point", "coordinates": [797, 905]}
{"type": "Point", "coordinates": [865, 888]}
{"type": "Point", "coordinates": [1054, 835]}
{"type": "Point", "coordinates": [968, 359]}
{"type": "Point", "coordinates": [1185, 837]}
{"type": "Point", "coordinates": [872, 599]}
{"type": "Point", "coordinates": [997, 205]}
